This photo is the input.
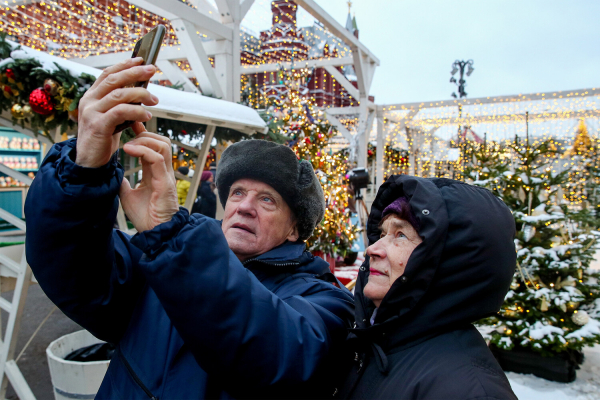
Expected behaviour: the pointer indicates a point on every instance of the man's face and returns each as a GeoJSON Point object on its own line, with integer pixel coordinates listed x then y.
{"type": "Point", "coordinates": [256, 219]}
{"type": "Point", "coordinates": [389, 255]}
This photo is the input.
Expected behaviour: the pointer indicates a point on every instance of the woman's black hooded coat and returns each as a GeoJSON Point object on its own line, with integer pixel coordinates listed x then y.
{"type": "Point", "coordinates": [423, 344]}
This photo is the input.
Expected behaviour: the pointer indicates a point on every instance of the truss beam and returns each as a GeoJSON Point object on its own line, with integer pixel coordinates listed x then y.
{"type": "Point", "coordinates": [198, 58]}
{"type": "Point", "coordinates": [273, 67]}
{"type": "Point", "coordinates": [201, 21]}
{"type": "Point", "coordinates": [342, 80]}
{"type": "Point", "coordinates": [555, 95]}
{"type": "Point", "coordinates": [175, 75]}
{"type": "Point", "coordinates": [335, 27]}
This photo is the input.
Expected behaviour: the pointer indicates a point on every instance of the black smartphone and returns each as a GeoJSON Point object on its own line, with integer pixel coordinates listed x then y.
{"type": "Point", "coordinates": [147, 47]}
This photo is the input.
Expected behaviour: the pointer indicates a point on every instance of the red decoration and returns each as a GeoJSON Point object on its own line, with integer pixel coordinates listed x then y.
{"type": "Point", "coordinates": [10, 74]}
{"type": "Point", "coordinates": [41, 102]}
{"type": "Point", "coordinates": [184, 132]}
{"type": "Point", "coordinates": [307, 140]}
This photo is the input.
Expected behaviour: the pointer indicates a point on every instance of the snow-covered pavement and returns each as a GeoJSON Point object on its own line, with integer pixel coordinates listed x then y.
{"type": "Point", "coordinates": [585, 387]}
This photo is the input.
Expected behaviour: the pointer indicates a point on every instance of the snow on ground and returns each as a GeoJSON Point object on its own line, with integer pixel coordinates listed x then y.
{"type": "Point", "coordinates": [585, 387]}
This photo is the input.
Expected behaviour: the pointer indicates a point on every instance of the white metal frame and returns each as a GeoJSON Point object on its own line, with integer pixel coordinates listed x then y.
{"type": "Point", "coordinates": [222, 26]}
{"type": "Point", "coordinates": [414, 108]}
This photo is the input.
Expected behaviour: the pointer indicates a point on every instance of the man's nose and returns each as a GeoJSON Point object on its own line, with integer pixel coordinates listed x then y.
{"type": "Point", "coordinates": [247, 207]}
{"type": "Point", "coordinates": [376, 250]}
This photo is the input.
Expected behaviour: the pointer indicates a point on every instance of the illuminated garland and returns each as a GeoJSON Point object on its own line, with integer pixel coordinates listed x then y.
{"type": "Point", "coordinates": [296, 119]}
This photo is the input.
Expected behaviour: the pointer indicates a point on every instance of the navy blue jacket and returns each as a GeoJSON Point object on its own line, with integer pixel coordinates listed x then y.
{"type": "Point", "coordinates": [189, 320]}
{"type": "Point", "coordinates": [422, 344]}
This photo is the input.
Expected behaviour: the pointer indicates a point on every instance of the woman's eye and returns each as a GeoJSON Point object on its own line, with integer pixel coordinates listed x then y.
{"type": "Point", "coordinates": [400, 235]}
{"type": "Point", "coordinates": [237, 192]}
{"type": "Point", "coordinates": [268, 199]}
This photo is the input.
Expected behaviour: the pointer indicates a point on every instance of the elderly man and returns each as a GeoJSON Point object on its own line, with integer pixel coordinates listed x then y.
{"type": "Point", "coordinates": [197, 309]}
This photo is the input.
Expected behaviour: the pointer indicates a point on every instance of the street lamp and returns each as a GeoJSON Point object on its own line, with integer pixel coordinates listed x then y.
{"type": "Point", "coordinates": [461, 83]}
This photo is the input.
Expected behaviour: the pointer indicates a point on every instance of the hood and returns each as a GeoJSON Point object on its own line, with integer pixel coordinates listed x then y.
{"type": "Point", "coordinates": [461, 271]}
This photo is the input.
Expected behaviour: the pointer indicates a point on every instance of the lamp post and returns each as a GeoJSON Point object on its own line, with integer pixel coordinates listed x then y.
{"type": "Point", "coordinates": [461, 83]}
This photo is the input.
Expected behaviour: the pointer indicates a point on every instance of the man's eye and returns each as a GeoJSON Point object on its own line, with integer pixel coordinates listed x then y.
{"type": "Point", "coordinates": [400, 235]}
{"type": "Point", "coordinates": [268, 199]}
{"type": "Point", "coordinates": [237, 192]}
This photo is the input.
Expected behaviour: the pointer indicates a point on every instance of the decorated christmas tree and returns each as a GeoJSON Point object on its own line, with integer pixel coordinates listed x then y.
{"type": "Point", "coordinates": [550, 306]}
{"type": "Point", "coordinates": [294, 117]}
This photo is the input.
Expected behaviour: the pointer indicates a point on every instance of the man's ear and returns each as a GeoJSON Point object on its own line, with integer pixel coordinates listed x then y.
{"type": "Point", "coordinates": [293, 234]}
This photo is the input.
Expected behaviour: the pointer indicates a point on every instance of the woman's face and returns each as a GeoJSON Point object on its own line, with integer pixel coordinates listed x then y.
{"type": "Point", "coordinates": [389, 255]}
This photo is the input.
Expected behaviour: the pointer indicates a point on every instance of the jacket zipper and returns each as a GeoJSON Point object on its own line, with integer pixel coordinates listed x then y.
{"type": "Point", "coordinates": [135, 377]}
{"type": "Point", "coordinates": [270, 263]}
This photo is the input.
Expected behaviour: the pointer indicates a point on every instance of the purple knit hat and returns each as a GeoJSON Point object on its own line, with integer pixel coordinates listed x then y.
{"type": "Point", "coordinates": [401, 207]}
{"type": "Point", "coordinates": [205, 175]}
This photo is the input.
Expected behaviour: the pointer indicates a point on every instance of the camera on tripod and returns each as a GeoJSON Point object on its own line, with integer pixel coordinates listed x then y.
{"type": "Point", "coordinates": [359, 179]}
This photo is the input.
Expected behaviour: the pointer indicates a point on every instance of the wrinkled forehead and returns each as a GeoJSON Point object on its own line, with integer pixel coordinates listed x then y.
{"type": "Point", "coordinates": [393, 221]}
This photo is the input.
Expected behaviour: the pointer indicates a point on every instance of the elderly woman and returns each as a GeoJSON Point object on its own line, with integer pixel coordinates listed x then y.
{"type": "Point", "coordinates": [441, 256]}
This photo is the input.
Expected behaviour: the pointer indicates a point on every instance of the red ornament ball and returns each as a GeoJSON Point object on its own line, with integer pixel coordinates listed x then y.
{"type": "Point", "coordinates": [10, 74]}
{"type": "Point", "coordinates": [41, 102]}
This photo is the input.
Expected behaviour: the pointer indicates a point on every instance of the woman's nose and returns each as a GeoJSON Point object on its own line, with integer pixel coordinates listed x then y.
{"type": "Point", "coordinates": [376, 250]}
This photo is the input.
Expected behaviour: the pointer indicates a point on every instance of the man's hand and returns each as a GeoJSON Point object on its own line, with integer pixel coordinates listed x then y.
{"type": "Point", "coordinates": [154, 201]}
{"type": "Point", "coordinates": [107, 104]}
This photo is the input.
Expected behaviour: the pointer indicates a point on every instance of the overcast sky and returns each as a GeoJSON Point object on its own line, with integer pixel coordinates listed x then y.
{"type": "Point", "coordinates": [517, 46]}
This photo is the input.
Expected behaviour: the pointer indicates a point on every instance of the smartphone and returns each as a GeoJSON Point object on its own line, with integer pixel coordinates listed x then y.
{"type": "Point", "coordinates": [147, 47]}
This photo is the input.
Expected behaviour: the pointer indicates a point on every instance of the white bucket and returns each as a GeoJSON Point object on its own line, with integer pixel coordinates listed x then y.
{"type": "Point", "coordinates": [74, 379]}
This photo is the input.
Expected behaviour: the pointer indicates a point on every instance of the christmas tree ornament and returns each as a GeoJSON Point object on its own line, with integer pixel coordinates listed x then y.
{"type": "Point", "coordinates": [51, 87]}
{"type": "Point", "coordinates": [572, 305]}
{"type": "Point", "coordinates": [10, 74]}
{"type": "Point", "coordinates": [17, 111]}
{"type": "Point", "coordinates": [27, 111]}
{"type": "Point", "coordinates": [528, 232]}
{"type": "Point", "coordinates": [580, 317]}
{"type": "Point", "coordinates": [41, 102]}
{"type": "Point", "coordinates": [544, 304]}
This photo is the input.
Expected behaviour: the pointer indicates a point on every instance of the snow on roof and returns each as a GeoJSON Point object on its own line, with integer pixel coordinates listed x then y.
{"type": "Point", "coordinates": [173, 104]}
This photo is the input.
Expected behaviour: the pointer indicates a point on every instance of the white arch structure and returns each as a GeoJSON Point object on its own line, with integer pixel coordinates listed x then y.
{"type": "Point", "coordinates": [222, 26]}
{"type": "Point", "coordinates": [504, 116]}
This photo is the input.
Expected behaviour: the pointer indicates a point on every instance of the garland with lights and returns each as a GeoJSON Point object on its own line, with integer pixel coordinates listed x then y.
{"type": "Point", "coordinates": [43, 99]}
{"type": "Point", "coordinates": [551, 307]}
{"type": "Point", "coordinates": [295, 119]}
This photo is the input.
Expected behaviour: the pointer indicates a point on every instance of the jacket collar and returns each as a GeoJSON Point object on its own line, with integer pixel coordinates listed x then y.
{"type": "Point", "coordinates": [285, 260]}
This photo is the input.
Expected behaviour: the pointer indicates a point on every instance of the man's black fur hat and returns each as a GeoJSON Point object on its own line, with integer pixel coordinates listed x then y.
{"type": "Point", "coordinates": [277, 166]}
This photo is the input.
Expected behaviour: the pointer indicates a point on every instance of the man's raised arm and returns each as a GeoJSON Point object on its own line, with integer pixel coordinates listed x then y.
{"type": "Point", "coordinates": [84, 267]}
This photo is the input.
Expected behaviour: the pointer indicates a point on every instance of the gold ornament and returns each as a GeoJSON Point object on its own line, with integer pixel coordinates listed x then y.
{"type": "Point", "coordinates": [544, 304]}
{"type": "Point", "coordinates": [27, 111]}
{"type": "Point", "coordinates": [51, 87]}
{"type": "Point", "coordinates": [17, 111]}
{"type": "Point", "coordinates": [580, 318]}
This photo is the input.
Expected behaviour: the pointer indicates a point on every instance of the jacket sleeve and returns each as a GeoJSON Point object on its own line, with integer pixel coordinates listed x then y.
{"type": "Point", "coordinates": [239, 332]}
{"type": "Point", "coordinates": [84, 266]}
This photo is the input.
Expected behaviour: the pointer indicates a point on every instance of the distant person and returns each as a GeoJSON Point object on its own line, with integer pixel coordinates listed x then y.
{"type": "Point", "coordinates": [441, 257]}
{"type": "Point", "coordinates": [206, 202]}
{"type": "Point", "coordinates": [183, 185]}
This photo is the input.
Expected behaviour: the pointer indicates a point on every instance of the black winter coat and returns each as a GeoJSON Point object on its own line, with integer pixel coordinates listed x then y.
{"type": "Point", "coordinates": [422, 344]}
{"type": "Point", "coordinates": [207, 202]}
